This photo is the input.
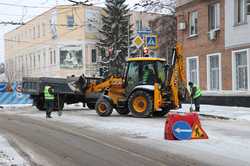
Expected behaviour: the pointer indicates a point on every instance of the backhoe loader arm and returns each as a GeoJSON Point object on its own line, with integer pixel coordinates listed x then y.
{"type": "Point", "coordinates": [177, 77]}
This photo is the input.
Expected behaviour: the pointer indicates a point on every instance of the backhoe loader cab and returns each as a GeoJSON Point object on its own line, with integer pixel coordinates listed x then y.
{"type": "Point", "coordinates": [143, 90]}
{"type": "Point", "coordinates": [144, 71]}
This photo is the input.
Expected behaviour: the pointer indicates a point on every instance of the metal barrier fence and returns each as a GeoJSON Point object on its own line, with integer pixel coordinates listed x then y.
{"type": "Point", "coordinates": [14, 96]}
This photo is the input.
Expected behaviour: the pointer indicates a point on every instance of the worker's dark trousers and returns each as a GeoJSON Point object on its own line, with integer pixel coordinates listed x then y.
{"type": "Point", "coordinates": [197, 104]}
{"type": "Point", "coordinates": [49, 104]}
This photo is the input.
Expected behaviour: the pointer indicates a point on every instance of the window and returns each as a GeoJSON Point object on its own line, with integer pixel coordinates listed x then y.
{"type": "Point", "coordinates": [214, 16]}
{"type": "Point", "coordinates": [138, 25]}
{"type": "Point", "coordinates": [34, 59]}
{"type": "Point", "coordinates": [43, 29]}
{"type": "Point", "coordinates": [93, 55]}
{"type": "Point", "coordinates": [193, 70]}
{"type": "Point", "coordinates": [70, 21]}
{"type": "Point", "coordinates": [133, 76]}
{"type": "Point", "coordinates": [240, 11]}
{"type": "Point", "coordinates": [30, 33]}
{"type": "Point", "coordinates": [51, 56]}
{"type": "Point", "coordinates": [38, 31]}
{"type": "Point", "coordinates": [30, 61]}
{"type": "Point", "coordinates": [213, 72]}
{"type": "Point", "coordinates": [54, 56]}
{"type": "Point", "coordinates": [44, 57]}
{"type": "Point", "coordinates": [193, 23]}
{"type": "Point", "coordinates": [240, 67]}
{"type": "Point", "coordinates": [39, 59]}
{"type": "Point", "coordinates": [248, 7]}
{"type": "Point", "coordinates": [34, 32]}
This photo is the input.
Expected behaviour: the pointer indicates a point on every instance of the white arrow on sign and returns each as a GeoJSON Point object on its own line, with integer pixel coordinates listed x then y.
{"type": "Point", "coordinates": [178, 130]}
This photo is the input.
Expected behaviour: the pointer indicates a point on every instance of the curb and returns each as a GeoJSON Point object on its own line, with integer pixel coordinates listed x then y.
{"type": "Point", "coordinates": [217, 117]}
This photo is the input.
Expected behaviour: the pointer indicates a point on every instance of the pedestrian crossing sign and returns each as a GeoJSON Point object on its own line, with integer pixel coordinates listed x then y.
{"type": "Point", "coordinates": [152, 41]}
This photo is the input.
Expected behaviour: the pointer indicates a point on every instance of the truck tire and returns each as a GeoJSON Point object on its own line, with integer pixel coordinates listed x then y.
{"type": "Point", "coordinates": [91, 106]}
{"type": "Point", "coordinates": [103, 107]}
{"type": "Point", "coordinates": [61, 105]}
{"type": "Point", "coordinates": [40, 105]}
{"type": "Point", "coordinates": [140, 104]}
{"type": "Point", "coordinates": [123, 111]}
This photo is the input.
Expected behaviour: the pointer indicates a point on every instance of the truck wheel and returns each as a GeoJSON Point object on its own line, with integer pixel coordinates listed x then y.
{"type": "Point", "coordinates": [140, 104]}
{"type": "Point", "coordinates": [61, 105]}
{"type": "Point", "coordinates": [103, 107]}
{"type": "Point", "coordinates": [123, 111]}
{"type": "Point", "coordinates": [91, 106]}
{"type": "Point", "coordinates": [40, 105]}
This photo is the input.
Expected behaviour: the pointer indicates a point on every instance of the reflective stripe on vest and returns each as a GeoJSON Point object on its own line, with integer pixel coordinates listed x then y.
{"type": "Point", "coordinates": [197, 92]}
{"type": "Point", "coordinates": [47, 94]}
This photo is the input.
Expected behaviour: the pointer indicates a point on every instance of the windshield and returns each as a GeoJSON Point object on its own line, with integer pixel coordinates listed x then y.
{"type": "Point", "coordinates": [161, 71]}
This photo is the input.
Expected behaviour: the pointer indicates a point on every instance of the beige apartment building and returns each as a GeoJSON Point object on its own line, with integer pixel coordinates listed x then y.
{"type": "Point", "coordinates": [60, 42]}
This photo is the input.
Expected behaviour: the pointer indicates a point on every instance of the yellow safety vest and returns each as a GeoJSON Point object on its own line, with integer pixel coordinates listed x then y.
{"type": "Point", "coordinates": [47, 94]}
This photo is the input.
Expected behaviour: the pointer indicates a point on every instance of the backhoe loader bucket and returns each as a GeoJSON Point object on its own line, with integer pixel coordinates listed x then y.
{"type": "Point", "coordinates": [79, 85]}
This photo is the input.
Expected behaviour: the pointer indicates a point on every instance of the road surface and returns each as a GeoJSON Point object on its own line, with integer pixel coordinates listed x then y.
{"type": "Point", "coordinates": [48, 142]}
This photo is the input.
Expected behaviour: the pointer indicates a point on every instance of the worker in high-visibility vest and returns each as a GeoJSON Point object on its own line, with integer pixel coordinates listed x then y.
{"type": "Point", "coordinates": [148, 75]}
{"type": "Point", "coordinates": [195, 95]}
{"type": "Point", "coordinates": [49, 100]}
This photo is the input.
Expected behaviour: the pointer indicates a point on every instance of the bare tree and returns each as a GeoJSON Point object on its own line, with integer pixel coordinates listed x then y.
{"type": "Point", "coordinates": [10, 73]}
{"type": "Point", "coordinates": [166, 6]}
{"type": "Point", "coordinates": [85, 3]}
{"type": "Point", "coordinates": [165, 26]}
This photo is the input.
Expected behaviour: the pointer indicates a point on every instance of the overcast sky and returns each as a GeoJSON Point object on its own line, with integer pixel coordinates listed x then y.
{"type": "Point", "coordinates": [19, 14]}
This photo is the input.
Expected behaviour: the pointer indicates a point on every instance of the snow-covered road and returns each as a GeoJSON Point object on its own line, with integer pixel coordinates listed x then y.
{"type": "Point", "coordinates": [228, 143]}
{"type": "Point", "coordinates": [9, 156]}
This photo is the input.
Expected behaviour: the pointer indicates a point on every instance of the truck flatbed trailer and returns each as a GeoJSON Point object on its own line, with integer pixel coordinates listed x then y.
{"type": "Point", "coordinates": [34, 86]}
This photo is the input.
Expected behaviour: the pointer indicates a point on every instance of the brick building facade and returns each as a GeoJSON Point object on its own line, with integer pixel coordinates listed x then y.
{"type": "Point", "coordinates": [216, 47]}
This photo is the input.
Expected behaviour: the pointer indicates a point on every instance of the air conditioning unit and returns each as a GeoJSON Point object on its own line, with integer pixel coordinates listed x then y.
{"type": "Point", "coordinates": [212, 35]}
{"type": "Point", "coordinates": [181, 26]}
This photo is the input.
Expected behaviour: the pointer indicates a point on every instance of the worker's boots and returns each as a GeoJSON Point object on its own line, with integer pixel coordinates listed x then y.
{"type": "Point", "coordinates": [197, 109]}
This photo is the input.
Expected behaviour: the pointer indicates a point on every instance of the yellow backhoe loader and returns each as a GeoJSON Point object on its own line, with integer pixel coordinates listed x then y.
{"type": "Point", "coordinates": [149, 87]}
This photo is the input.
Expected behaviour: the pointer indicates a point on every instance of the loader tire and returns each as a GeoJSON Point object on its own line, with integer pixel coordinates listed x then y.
{"type": "Point", "coordinates": [140, 104]}
{"type": "Point", "coordinates": [103, 107]}
{"type": "Point", "coordinates": [123, 111]}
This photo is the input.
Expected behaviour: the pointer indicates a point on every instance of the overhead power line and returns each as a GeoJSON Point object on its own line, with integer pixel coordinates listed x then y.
{"type": "Point", "coordinates": [11, 23]}
{"type": "Point", "coordinates": [27, 6]}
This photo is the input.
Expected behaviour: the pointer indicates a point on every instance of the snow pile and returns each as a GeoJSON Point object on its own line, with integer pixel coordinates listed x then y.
{"type": "Point", "coordinates": [8, 156]}
{"type": "Point", "coordinates": [238, 113]}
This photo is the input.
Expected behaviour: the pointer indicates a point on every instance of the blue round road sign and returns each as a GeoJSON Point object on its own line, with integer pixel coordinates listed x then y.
{"type": "Point", "coordinates": [182, 130]}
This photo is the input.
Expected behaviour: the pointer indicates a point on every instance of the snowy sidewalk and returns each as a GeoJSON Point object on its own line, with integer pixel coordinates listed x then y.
{"type": "Point", "coordinates": [223, 112]}
{"type": "Point", "coordinates": [8, 155]}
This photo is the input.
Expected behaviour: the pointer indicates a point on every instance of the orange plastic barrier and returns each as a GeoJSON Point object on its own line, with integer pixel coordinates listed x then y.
{"type": "Point", "coordinates": [191, 118]}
